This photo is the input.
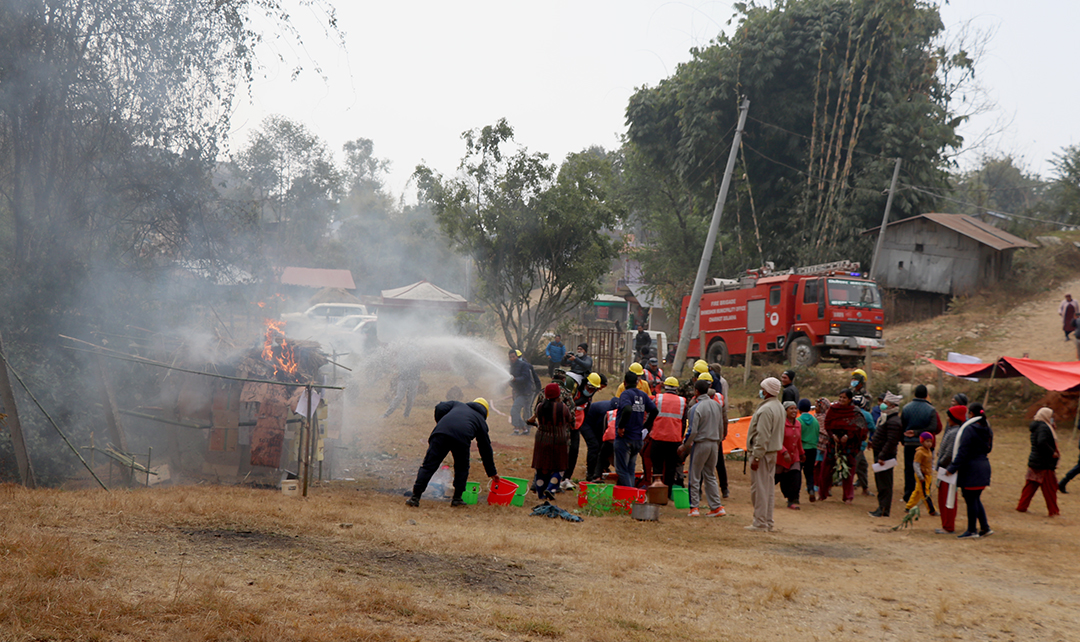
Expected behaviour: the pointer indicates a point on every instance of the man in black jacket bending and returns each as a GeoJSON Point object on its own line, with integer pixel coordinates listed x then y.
{"type": "Point", "coordinates": [456, 425]}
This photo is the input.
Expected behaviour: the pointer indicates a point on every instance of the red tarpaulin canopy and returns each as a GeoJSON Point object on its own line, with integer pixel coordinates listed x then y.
{"type": "Point", "coordinates": [1052, 375]}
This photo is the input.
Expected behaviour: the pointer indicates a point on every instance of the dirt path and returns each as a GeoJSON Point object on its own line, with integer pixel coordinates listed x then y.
{"type": "Point", "coordinates": [1034, 328]}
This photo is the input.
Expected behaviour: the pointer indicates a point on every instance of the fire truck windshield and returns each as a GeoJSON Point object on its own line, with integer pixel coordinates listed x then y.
{"type": "Point", "coordinates": [857, 293]}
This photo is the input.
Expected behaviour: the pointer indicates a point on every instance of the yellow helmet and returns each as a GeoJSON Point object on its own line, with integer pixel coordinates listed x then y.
{"type": "Point", "coordinates": [700, 366]}
{"type": "Point", "coordinates": [483, 402]}
{"type": "Point", "coordinates": [860, 372]}
{"type": "Point", "coordinates": [637, 369]}
{"type": "Point", "coordinates": [705, 376]}
{"type": "Point", "coordinates": [671, 382]}
{"type": "Point", "coordinates": [593, 380]}
{"type": "Point", "coordinates": [517, 352]}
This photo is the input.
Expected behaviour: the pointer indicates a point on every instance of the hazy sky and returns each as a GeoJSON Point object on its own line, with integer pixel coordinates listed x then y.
{"type": "Point", "coordinates": [414, 75]}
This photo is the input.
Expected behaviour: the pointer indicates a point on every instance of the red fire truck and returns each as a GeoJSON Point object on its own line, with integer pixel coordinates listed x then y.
{"type": "Point", "coordinates": [827, 311]}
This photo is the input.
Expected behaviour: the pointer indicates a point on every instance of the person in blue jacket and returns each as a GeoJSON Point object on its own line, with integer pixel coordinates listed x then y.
{"type": "Point", "coordinates": [555, 352]}
{"type": "Point", "coordinates": [636, 412]}
{"type": "Point", "coordinates": [456, 425]}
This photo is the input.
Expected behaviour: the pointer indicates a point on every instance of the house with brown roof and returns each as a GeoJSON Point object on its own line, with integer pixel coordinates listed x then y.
{"type": "Point", "coordinates": [925, 260]}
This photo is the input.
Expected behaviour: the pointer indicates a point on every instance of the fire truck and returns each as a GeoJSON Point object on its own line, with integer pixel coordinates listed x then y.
{"type": "Point", "coordinates": [828, 311]}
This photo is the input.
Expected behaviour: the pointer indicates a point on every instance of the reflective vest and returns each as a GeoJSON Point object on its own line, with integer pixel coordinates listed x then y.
{"type": "Point", "coordinates": [609, 434]}
{"type": "Point", "coordinates": [668, 425]}
{"type": "Point", "coordinates": [579, 417]}
{"type": "Point", "coordinates": [655, 381]}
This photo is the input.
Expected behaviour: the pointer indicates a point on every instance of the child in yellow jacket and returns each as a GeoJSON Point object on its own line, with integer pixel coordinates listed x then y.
{"type": "Point", "coordinates": [924, 475]}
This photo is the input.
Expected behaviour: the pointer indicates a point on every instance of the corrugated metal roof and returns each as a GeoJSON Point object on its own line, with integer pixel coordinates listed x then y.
{"type": "Point", "coordinates": [318, 278]}
{"type": "Point", "coordinates": [970, 227]}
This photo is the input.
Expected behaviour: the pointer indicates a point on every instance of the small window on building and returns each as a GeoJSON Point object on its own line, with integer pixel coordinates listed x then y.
{"type": "Point", "coordinates": [918, 247]}
{"type": "Point", "coordinates": [901, 265]}
{"type": "Point", "coordinates": [774, 295]}
{"type": "Point", "coordinates": [603, 312]}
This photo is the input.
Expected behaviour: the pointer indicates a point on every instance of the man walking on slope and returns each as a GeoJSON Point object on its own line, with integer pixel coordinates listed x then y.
{"type": "Point", "coordinates": [765, 438]}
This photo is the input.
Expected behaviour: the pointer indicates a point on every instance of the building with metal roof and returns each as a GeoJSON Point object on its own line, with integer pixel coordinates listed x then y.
{"type": "Point", "coordinates": [943, 255]}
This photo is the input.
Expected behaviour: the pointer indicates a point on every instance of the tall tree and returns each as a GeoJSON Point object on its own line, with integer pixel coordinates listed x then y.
{"type": "Point", "coordinates": [1064, 192]}
{"type": "Point", "coordinates": [293, 176]}
{"type": "Point", "coordinates": [837, 88]}
{"type": "Point", "coordinates": [536, 232]}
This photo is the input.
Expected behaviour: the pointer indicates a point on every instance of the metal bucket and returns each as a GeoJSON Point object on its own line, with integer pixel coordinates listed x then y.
{"type": "Point", "coordinates": [645, 512]}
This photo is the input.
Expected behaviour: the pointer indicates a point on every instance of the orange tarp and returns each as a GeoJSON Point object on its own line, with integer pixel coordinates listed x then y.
{"type": "Point", "coordinates": [736, 434]}
{"type": "Point", "coordinates": [1052, 375]}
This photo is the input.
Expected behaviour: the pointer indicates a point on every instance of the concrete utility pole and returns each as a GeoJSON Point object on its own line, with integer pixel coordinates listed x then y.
{"type": "Point", "coordinates": [18, 442]}
{"type": "Point", "coordinates": [884, 221]}
{"type": "Point", "coordinates": [710, 241]}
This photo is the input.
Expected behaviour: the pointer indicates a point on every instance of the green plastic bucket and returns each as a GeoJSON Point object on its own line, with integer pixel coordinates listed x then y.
{"type": "Point", "coordinates": [681, 497]}
{"type": "Point", "coordinates": [472, 493]}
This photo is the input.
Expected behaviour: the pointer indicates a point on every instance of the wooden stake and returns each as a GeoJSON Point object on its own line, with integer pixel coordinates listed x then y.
{"type": "Point", "coordinates": [940, 375]}
{"type": "Point", "coordinates": [18, 442]}
{"type": "Point", "coordinates": [112, 416]}
{"type": "Point", "coordinates": [749, 357]}
{"type": "Point", "coordinates": [305, 448]}
{"type": "Point", "coordinates": [986, 397]}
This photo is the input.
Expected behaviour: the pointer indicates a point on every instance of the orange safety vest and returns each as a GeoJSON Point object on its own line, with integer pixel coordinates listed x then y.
{"type": "Point", "coordinates": [655, 381]}
{"type": "Point", "coordinates": [579, 417]}
{"type": "Point", "coordinates": [668, 425]}
{"type": "Point", "coordinates": [609, 434]}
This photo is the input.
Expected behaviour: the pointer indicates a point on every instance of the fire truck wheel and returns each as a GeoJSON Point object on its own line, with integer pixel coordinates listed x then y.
{"type": "Point", "coordinates": [802, 353]}
{"type": "Point", "coordinates": [718, 352]}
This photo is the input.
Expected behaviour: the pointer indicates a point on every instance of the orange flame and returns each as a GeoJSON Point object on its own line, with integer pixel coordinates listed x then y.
{"type": "Point", "coordinates": [283, 358]}
{"type": "Point", "coordinates": [261, 304]}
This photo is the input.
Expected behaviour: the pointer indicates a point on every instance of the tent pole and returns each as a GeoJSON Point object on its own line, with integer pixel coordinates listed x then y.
{"type": "Point", "coordinates": [986, 397]}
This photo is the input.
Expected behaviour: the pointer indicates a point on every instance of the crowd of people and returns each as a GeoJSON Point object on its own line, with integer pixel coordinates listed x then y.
{"type": "Point", "coordinates": [674, 426]}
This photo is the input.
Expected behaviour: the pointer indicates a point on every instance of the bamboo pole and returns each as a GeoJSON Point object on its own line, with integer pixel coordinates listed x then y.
{"type": "Point", "coordinates": [18, 441]}
{"type": "Point", "coordinates": [150, 362]}
{"type": "Point", "coordinates": [53, 423]}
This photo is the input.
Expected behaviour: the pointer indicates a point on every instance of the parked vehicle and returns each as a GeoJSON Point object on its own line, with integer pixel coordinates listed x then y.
{"type": "Point", "coordinates": [828, 311]}
{"type": "Point", "coordinates": [329, 312]}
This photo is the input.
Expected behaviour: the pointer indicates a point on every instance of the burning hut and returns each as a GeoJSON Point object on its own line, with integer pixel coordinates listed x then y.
{"type": "Point", "coordinates": [235, 417]}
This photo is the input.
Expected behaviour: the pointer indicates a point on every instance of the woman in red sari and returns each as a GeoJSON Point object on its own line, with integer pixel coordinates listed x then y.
{"type": "Point", "coordinates": [846, 428]}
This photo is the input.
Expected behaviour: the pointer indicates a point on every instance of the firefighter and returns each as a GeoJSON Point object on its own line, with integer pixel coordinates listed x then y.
{"type": "Point", "coordinates": [407, 382]}
{"type": "Point", "coordinates": [654, 376]}
{"type": "Point", "coordinates": [667, 432]}
{"type": "Point", "coordinates": [858, 387]}
{"type": "Point", "coordinates": [642, 385]}
{"type": "Point", "coordinates": [581, 402]}
{"type": "Point", "coordinates": [456, 425]}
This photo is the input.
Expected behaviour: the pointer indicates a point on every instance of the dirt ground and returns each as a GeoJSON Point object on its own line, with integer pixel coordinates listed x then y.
{"type": "Point", "coordinates": [352, 562]}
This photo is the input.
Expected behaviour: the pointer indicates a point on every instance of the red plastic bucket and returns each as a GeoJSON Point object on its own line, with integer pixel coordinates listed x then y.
{"type": "Point", "coordinates": [501, 492]}
{"type": "Point", "coordinates": [623, 497]}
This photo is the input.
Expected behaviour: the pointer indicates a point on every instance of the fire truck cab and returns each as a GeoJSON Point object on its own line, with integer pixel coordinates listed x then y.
{"type": "Point", "coordinates": [827, 311]}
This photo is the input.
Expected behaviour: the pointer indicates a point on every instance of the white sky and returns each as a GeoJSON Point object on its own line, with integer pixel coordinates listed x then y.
{"type": "Point", "coordinates": [414, 75]}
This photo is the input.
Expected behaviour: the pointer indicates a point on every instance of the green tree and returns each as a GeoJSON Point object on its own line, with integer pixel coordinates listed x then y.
{"type": "Point", "coordinates": [536, 232]}
{"type": "Point", "coordinates": [112, 115]}
{"type": "Point", "coordinates": [292, 173]}
{"type": "Point", "coordinates": [838, 88]}
{"type": "Point", "coordinates": [1063, 195]}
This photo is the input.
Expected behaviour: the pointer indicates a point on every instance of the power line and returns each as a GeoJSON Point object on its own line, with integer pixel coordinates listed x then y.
{"type": "Point", "coordinates": [922, 190]}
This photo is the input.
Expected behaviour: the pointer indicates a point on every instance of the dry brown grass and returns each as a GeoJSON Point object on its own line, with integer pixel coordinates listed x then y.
{"type": "Point", "coordinates": [230, 563]}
